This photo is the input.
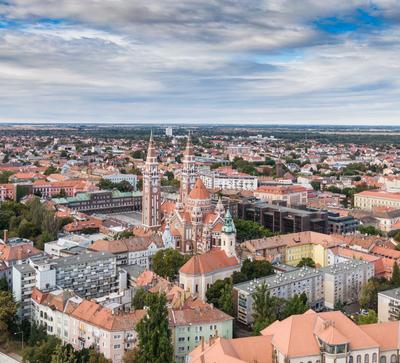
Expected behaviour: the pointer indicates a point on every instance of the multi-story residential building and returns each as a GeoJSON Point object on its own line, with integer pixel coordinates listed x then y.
{"type": "Point", "coordinates": [134, 250]}
{"type": "Point", "coordinates": [291, 195]}
{"type": "Point", "coordinates": [343, 281]}
{"type": "Point", "coordinates": [69, 187]}
{"type": "Point", "coordinates": [15, 251]}
{"type": "Point", "coordinates": [283, 285]}
{"type": "Point", "coordinates": [193, 321]}
{"type": "Point", "coordinates": [118, 178]}
{"type": "Point", "coordinates": [311, 337]}
{"type": "Point", "coordinates": [103, 202]}
{"type": "Point", "coordinates": [389, 305]}
{"type": "Point", "coordinates": [291, 248]}
{"type": "Point", "coordinates": [83, 323]}
{"type": "Point", "coordinates": [90, 275]}
{"type": "Point", "coordinates": [283, 219]}
{"type": "Point", "coordinates": [7, 191]}
{"type": "Point", "coordinates": [369, 199]}
{"type": "Point", "coordinates": [228, 178]}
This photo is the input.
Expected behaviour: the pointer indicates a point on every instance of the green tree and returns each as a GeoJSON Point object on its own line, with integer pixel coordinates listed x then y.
{"type": "Point", "coordinates": [255, 269]}
{"type": "Point", "coordinates": [166, 263]}
{"type": "Point", "coordinates": [247, 230]}
{"type": "Point", "coordinates": [51, 170]}
{"type": "Point", "coordinates": [214, 292]}
{"type": "Point", "coordinates": [8, 310]}
{"type": "Point", "coordinates": [130, 356]}
{"type": "Point", "coordinates": [316, 184]}
{"type": "Point", "coordinates": [140, 298]}
{"type": "Point", "coordinates": [370, 230]}
{"type": "Point", "coordinates": [64, 354]}
{"type": "Point", "coordinates": [153, 333]}
{"type": "Point", "coordinates": [42, 351]}
{"type": "Point", "coordinates": [296, 305]}
{"type": "Point", "coordinates": [395, 280]}
{"type": "Point", "coordinates": [97, 357]}
{"type": "Point", "coordinates": [265, 308]}
{"type": "Point", "coordinates": [225, 301]}
{"type": "Point", "coordinates": [370, 318]}
{"type": "Point", "coordinates": [4, 284]}
{"type": "Point", "coordinates": [306, 261]}
{"type": "Point", "coordinates": [27, 229]}
{"type": "Point", "coordinates": [368, 297]}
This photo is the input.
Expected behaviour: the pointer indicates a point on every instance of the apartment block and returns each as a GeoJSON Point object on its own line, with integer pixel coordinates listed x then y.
{"type": "Point", "coordinates": [389, 305]}
{"type": "Point", "coordinates": [369, 199]}
{"type": "Point", "coordinates": [90, 275]}
{"type": "Point", "coordinates": [284, 285]}
{"type": "Point", "coordinates": [343, 281]}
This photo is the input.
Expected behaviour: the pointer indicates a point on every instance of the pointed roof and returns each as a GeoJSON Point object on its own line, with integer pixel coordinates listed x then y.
{"type": "Point", "coordinates": [189, 145]}
{"type": "Point", "coordinates": [229, 226]}
{"type": "Point", "coordinates": [199, 191]}
{"type": "Point", "coordinates": [151, 151]}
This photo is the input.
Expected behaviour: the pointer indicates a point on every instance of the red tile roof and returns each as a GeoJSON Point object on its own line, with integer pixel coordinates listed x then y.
{"type": "Point", "coordinates": [213, 260]}
{"type": "Point", "coordinates": [199, 191]}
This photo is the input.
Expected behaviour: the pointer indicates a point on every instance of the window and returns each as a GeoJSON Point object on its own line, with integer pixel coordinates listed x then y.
{"type": "Point", "coordinates": [374, 357]}
{"type": "Point", "coordinates": [117, 346]}
{"type": "Point", "coordinates": [359, 359]}
{"type": "Point", "coordinates": [383, 359]}
{"type": "Point", "coordinates": [366, 358]}
{"type": "Point", "coordinates": [393, 358]}
{"type": "Point", "coordinates": [351, 359]}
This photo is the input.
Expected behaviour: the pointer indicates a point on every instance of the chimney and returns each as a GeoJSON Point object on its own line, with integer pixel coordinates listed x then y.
{"type": "Point", "coordinates": [5, 236]}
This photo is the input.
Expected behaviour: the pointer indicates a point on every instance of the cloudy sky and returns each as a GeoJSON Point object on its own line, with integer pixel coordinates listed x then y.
{"type": "Point", "coordinates": [206, 61]}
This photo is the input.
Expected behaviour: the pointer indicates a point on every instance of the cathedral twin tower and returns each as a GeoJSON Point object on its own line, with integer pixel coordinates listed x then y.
{"type": "Point", "coordinates": [151, 200]}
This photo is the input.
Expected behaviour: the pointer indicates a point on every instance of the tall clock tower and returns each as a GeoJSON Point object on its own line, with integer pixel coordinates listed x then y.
{"type": "Point", "coordinates": [151, 199]}
{"type": "Point", "coordinates": [189, 172]}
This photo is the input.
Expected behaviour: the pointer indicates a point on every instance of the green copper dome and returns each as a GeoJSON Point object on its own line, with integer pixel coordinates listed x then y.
{"type": "Point", "coordinates": [229, 226]}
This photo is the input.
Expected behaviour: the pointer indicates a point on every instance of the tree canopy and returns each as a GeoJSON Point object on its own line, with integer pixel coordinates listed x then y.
{"type": "Point", "coordinates": [247, 230]}
{"type": "Point", "coordinates": [166, 263]}
{"type": "Point", "coordinates": [306, 261]}
{"type": "Point", "coordinates": [153, 333]}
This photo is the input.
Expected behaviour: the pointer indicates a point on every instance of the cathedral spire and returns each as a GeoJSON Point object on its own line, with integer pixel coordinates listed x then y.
{"type": "Point", "coordinates": [151, 151]}
{"type": "Point", "coordinates": [189, 172]}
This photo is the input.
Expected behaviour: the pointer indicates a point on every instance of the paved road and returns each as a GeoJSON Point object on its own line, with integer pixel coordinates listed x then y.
{"type": "Point", "coordinates": [7, 359]}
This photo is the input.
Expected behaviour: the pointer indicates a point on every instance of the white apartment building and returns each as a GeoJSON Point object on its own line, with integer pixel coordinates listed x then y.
{"type": "Point", "coordinates": [88, 274]}
{"type": "Point", "coordinates": [284, 285]}
{"type": "Point", "coordinates": [343, 281]}
{"type": "Point", "coordinates": [118, 178]}
{"type": "Point", "coordinates": [227, 178]}
{"type": "Point", "coordinates": [292, 195]}
{"type": "Point", "coordinates": [389, 305]}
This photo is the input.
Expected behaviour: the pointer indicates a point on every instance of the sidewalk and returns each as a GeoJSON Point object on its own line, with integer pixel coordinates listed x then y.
{"type": "Point", "coordinates": [10, 358]}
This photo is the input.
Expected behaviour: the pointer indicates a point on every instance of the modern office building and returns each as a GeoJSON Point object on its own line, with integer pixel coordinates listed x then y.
{"type": "Point", "coordinates": [282, 219]}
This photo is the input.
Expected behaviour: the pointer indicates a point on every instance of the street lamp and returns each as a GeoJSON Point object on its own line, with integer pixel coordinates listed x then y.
{"type": "Point", "coordinates": [22, 338]}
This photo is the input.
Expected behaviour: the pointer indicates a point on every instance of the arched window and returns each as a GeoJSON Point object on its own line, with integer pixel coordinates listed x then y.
{"type": "Point", "coordinates": [351, 359]}
{"type": "Point", "coordinates": [366, 358]}
{"type": "Point", "coordinates": [359, 359]}
{"type": "Point", "coordinates": [383, 359]}
{"type": "Point", "coordinates": [393, 358]}
{"type": "Point", "coordinates": [374, 357]}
